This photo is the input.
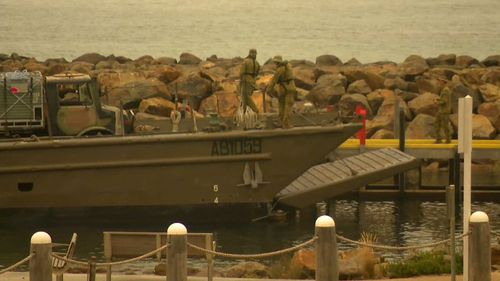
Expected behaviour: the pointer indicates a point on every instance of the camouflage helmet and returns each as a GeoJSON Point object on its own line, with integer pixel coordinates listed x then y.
{"type": "Point", "coordinates": [252, 51]}
{"type": "Point", "coordinates": [277, 59]}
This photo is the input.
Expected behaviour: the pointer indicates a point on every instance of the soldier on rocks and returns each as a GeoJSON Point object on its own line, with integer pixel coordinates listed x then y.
{"type": "Point", "coordinates": [443, 115]}
{"type": "Point", "coordinates": [285, 89]}
{"type": "Point", "coordinates": [248, 73]}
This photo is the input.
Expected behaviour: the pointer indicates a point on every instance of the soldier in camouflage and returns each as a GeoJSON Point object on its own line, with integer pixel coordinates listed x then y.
{"type": "Point", "coordinates": [282, 82]}
{"type": "Point", "coordinates": [248, 73]}
{"type": "Point", "coordinates": [443, 115]}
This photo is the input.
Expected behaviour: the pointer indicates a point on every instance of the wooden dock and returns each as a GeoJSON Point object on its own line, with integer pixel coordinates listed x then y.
{"type": "Point", "coordinates": [425, 148]}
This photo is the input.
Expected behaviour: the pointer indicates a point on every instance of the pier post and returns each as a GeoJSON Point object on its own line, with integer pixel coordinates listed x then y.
{"type": "Point", "coordinates": [177, 252]}
{"type": "Point", "coordinates": [402, 144]}
{"type": "Point", "coordinates": [92, 269]}
{"type": "Point", "coordinates": [326, 250]}
{"type": "Point", "coordinates": [479, 248]}
{"type": "Point", "coordinates": [450, 202]}
{"type": "Point", "coordinates": [41, 263]}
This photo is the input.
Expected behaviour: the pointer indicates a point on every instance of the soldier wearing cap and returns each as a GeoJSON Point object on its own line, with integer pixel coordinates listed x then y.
{"type": "Point", "coordinates": [443, 115]}
{"type": "Point", "coordinates": [284, 85]}
{"type": "Point", "coordinates": [248, 73]}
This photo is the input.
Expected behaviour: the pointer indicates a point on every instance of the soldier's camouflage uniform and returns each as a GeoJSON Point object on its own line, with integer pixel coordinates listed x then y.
{"type": "Point", "coordinates": [248, 73]}
{"type": "Point", "coordinates": [443, 115]}
{"type": "Point", "coordinates": [282, 82]}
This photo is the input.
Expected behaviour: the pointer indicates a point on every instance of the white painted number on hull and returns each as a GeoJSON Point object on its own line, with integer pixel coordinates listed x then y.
{"type": "Point", "coordinates": [216, 189]}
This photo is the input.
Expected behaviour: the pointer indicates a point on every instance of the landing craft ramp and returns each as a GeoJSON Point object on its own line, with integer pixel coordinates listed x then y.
{"type": "Point", "coordinates": [328, 180]}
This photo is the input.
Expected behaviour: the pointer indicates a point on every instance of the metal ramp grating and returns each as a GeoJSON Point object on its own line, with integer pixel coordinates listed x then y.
{"type": "Point", "coordinates": [328, 180]}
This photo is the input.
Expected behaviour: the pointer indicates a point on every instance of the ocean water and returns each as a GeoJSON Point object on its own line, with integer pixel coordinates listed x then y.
{"type": "Point", "coordinates": [370, 30]}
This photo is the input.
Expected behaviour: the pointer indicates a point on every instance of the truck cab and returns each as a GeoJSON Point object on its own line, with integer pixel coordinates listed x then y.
{"type": "Point", "coordinates": [65, 104]}
{"type": "Point", "coordinates": [75, 109]}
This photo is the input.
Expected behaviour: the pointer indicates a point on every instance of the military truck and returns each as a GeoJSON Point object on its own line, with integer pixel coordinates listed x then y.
{"type": "Point", "coordinates": [66, 104]}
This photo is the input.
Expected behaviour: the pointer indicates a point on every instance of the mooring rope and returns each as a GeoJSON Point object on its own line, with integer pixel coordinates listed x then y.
{"type": "Point", "coordinates": [105, 264]}
{"type": "Point", "coordinates": [401, 248]}
{"type": "Point", "coordinates": [255, 256]}
{"type": "Point", "coordinates": [17, 264]}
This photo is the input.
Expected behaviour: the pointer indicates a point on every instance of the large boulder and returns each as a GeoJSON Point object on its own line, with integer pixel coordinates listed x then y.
{"type": "Point", "coordinates": [248, 269]}
{"type": "Point", "coordinates": [92, 58]}
{"type": "Point", "coordinates": [145, 60]}
{"type": "Point", "coordinates": [472, 76]}
{"type": "Point", "coordinates": [359, 87]}
{"type": "Point", "coordinates": [447, 59]}
{"type": "Point", "coordinates": [193, 87]}
{"type": "Point", "coordinates": [304, 77]}
{"type": "Point", "coordinates": [481, 126]}
{"type": "Point", "coordinates": [187, 58]}
{"type": "Point", "coordinates": [130, 87]}
{"type": "Point", "coordinates": [165, 74]}
{"type": "Point", "coordinates": [460, 90]}
{"type": "Point", "coordinates": [491, 110]}
{"type": "Point", "coordinates": [57, 68]}
{"type": "Point", "coordinates": [426, 103]}
{"type": "Point", "coordinates": [465, 61]}
{"type": "Point", "coordinates": [492, 76]}
{"type": "Point", "coordinates": [214, 74]}
{"type": "Point", "coordinates": [413, 66]}
{"type": "Point", "coordinates": [422, 127]}
{"type": "Point", "coordinates": [348, 103]}
{"type": "Point", "coordinates": [328, 90]}
{"type": "Point", "coordinates": [107, 64]}
{"type": "Point", "coordinates": [166, 60]}
{"type": "Point", "coordinates": [491, 61]}
{"type": "Point", "coordinates": [79, 66]}
{"type": "Point", "coordinates": [489, 92]}
{"type": "Point", "coordinates": [358, 263]}
{"type": "Point", "coordinates": [377, 98]}
{"type": "Point", "coordinates": [373, 79]}
{"type": "Point", "coordinates": [157, 106]}
{"type": "Point", "coordinates": [394, 83]}
{"type": "Point", "coordinates": [33, 65]}
{"type": "Point", "coordinates": [303, 264]}
{"type": "Point", "coordinates": [225, 103]}
{"type": "Point", "coordinates": [122, 59]}
{"type": "Point", "coordinates": [431, 85]}
{"type": "Point", "coordinates": [384, 119]}
{"type": "Point", "coordinates": [328, 60]}
{"type": "Point", "coordinates": [4, 57]}
{"type": "Point", "coordinates": [353, 62]}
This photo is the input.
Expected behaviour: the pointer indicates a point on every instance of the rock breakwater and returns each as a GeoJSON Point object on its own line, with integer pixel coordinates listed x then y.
{"type": "Point", "coordinates": [149, 85]}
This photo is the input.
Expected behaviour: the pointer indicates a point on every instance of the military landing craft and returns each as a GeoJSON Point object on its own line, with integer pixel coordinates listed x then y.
{"type": "Point", "coordinates": [92, 162]}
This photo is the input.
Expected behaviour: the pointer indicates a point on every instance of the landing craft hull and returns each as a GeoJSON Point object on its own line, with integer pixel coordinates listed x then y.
{"type": "Point", "coordinates": [160, 170]}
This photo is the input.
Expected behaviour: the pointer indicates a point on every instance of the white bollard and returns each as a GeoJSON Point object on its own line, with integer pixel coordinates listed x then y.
{"type": "Point", "coordinates": [479, 248]}
{"type": "Point", "coordinates": [41, 263]}
{"type": "Point", "coordinates": [326, 250]}
{"type": "Point", "coordinates": [177, 252]}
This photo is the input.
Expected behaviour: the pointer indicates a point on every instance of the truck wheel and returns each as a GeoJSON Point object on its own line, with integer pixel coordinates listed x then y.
{"type": "Point", "coordinates": [96, 132]}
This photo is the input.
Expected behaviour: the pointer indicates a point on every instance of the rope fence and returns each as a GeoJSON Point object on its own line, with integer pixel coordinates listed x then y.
{"type": "Point", "coordinates": [255, 256]}
{"type": "Point", "coordinates": [17, 264]}
{"type": "Point", "coordinates": [400, 248]}
{"type": "Point", "coordinates": [105, 264]}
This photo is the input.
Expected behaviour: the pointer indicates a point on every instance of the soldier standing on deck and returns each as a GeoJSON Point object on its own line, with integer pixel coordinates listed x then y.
{"type": "Point", "coordinates": [285, 88]}
{"type": "Point", "coordinates": [443, 115]}
{"type": "Point", "coordinates": [248, 73]}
